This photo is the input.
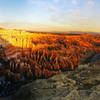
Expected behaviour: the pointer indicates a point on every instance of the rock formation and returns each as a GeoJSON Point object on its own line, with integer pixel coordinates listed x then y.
{"type": "Point", "coordinates": [31, 56]}
{"type": "Point", "coordinates": [81, 84]}
{"type": "Point", "coordinates": [35, 55]}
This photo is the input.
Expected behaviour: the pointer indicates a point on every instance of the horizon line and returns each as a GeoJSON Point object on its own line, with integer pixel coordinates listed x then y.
{"type": "Point", "coordinates": [48, 31]}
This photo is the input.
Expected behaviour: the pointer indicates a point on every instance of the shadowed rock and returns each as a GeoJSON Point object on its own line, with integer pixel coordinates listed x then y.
{"type": "Point", "coordinates": [94, 59]}
{"type": "Point", "coordinates": [87, 57]}
{"type": "Point", "coordinates": [96, 44]}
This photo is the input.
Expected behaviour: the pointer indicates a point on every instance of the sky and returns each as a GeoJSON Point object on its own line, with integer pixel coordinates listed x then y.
{"type": "Point", "coordinates": [51, 15]}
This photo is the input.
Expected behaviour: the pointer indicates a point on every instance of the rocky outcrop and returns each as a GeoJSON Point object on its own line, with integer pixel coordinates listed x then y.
{"type": "Point", "coordinates": [94, 59]}
{"type": "Point", "coordinates": [81, 84]}
{"type": "Point", "coordinates": [87, 58]}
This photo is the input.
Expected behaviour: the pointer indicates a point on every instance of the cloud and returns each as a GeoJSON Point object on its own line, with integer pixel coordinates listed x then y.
{"type": "Point", "coordinates": [32, 1]}
{"type": "Point", "coordinates": [36, 1]}
{"type": "Point", "coordinates": [75, 2]}
{"type": "Point", "coordinates": [56, 1]}
{"type": "Point", "coordinates": [68, 17]}
{"type": "Point", "coordinates": [78, 17]}
{"type": "Point", "coordinates": [78, 14]}
{"type": "Point", "coordinates": [53, 9]}
{"type": "Point", "coordinates": [90, 3]}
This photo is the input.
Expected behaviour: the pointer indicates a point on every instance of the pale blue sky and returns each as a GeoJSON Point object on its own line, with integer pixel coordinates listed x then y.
{"type": "Point", "coordinates": [51, 15]}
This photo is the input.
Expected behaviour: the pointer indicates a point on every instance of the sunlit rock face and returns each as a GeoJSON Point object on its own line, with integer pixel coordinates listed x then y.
{"type": "Point", "coordinates": [37, 55]}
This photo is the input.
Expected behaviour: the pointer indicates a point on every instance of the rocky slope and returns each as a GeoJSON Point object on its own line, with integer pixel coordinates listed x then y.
{"type": "Point", "coordinates": [81, 84]}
